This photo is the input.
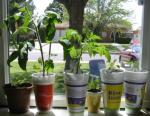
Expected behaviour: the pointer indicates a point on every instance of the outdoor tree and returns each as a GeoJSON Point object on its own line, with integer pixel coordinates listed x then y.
{"type": "Point", "coordinates": [75, 10]}
{"type": "Point", "coordinates": [101, 15]}
{"type": "Point", "coordinates": [59, 9]}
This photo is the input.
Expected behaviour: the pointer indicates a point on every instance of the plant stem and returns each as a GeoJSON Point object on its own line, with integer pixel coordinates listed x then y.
{"type": "Point", "coordinates": [41, 50]}
{"type": "Point", "coordinates": [78, 63]}
{"type": "Point", "coordinates": [50, 50]}
{"type": "Point", "coordinates": [39, 41]}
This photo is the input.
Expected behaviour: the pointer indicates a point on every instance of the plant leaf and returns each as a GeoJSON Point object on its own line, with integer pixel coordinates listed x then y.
{"type": "Point", "coordinates": [12, 57]}
{"type": "Point", "coordinates": [75, 53]}
{"type": "Point", "coordinates": [49, 65]}
{"type": "Point", "coordinates": [22, 60]}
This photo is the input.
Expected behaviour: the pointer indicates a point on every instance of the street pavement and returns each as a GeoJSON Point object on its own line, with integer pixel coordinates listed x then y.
{"type": "Point", "coordinates": [57, 53]}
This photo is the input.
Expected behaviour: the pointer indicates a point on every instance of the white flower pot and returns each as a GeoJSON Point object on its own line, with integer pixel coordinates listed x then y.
{"type": "Point", "coordinates": [134, 90]}
{"type": "Point", "coordinates": [112, 85]}
{"type": "Point", "coordinates": [76, 86]}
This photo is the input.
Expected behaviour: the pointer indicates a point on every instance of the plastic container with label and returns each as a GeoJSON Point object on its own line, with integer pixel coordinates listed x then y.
{"type": "Point", "coordinates": [134, 84]}
{"type": "Point", "coordinates": [112, 85]}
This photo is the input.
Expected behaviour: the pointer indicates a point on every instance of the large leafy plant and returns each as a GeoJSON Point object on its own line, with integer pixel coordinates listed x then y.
{"type": "Point", "coordinates": [24, 23]}
{"type": "Point", "coordinates": [75, 45]}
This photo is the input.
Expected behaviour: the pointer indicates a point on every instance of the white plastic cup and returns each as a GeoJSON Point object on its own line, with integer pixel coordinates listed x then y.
{"type": "Point", "coordinates": [76, 87]}
{"type": "Point", "coordinates": [134, 83]}
{"type": "Point", "coordinates": [112, 85]}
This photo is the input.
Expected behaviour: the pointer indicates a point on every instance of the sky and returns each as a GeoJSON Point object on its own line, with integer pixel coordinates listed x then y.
{"type": "Point", "coordinates": [135, 18]}
{"type": "Point", "coordinates": [41, 5]}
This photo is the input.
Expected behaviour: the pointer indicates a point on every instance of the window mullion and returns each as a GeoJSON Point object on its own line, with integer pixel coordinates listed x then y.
{"type": "Point", "coordinates": [4, 75]}
{"type": "Point", "coordinates": [145, 64]}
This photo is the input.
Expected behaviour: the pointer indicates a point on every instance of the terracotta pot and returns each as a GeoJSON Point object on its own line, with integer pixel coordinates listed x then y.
{"type": "Point", "coordinates": [18, 98]}
{"type": "Point", "coordinates": [93, 101]}
{"type": "Point", "coordinates": [43, 89]}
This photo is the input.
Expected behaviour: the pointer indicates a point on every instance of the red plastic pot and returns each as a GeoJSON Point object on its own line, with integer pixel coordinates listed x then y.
{"type": "Point", "coordinates": [43, 96]}
{"type": "Point", "coordinates": [43, 89]}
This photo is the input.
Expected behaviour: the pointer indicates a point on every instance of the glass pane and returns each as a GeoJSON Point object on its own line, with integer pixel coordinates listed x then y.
{"type": "Point", "coordinates": [119, 33]}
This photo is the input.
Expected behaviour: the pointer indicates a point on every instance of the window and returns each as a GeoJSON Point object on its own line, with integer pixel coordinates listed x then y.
{"type": "Point", "coordinates": [3, 57]}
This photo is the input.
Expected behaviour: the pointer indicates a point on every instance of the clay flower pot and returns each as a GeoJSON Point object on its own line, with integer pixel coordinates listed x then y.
{"type": "Point", "coordinates": [18, 97]}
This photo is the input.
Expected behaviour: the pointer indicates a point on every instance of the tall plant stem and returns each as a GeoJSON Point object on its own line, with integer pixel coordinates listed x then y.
{"type": "Point", "coordinates": [50, 50]}
{"type": "Point", "coordinates": [39, 41]}
{"type": "Point", "coordinates": [41, 50]}
{"type": "Point", "coordinates": [78, 64]}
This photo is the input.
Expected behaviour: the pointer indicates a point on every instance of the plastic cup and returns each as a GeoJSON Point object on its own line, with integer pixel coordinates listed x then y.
{"type": "Point", "coordinates": [43, 89]}
{"type": "Point", "coordinates": [134, 90]}
{"type": "Point", "coordinates": [76, 86]}
{"type": "Point", "coordinates": [112, 85]}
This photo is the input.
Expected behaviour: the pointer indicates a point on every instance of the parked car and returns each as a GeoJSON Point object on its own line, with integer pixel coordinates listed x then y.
{"type": "Point", "coordinates": [130, 54]}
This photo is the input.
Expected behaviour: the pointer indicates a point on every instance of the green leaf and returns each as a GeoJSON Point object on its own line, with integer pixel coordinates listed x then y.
{"type": "Point", "coordinates": [26, 19]}
{"type": "Point", "coordinates": [30, 45]}
{"type": "Point", "coordinates": [22, 60]}
{"type": "Point", "coordinates": [75, 53]}
{"type": "Point", "coordinates": [23, 9]}
{"type": "Point", "coordinates": [64, 42]}
{"type": "Point", "coordinates": [49, 65]}
{"type": "Point", "coordinates": [12, 57]}
{"type": "Point", "coordinates": [40, 61]}
{"type": "Point", "coordinates": [50, 32]}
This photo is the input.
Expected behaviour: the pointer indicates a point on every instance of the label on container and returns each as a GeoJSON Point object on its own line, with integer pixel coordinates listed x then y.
{"type": "Point", "coordinates": [76, 95]}
{"type": "Point", "coordinates": [134, 93]}
{"type": "Point", "coordinates": [112, 95]}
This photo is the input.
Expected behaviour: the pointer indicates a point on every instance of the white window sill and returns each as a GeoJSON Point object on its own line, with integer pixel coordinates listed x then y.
{"type": "Point", "coordinates": [53, 112]}
{"type": "Point", "coordinates": [60, 101]}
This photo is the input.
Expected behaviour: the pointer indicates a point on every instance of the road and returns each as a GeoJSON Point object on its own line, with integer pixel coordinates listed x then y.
{"type": "Point", "coordinates": [57, 53]}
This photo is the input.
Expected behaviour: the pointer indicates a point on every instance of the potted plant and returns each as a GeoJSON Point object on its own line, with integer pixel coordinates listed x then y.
{"type": "Point", "coordinates": [94, 94]}
{"type": "Point", "coordinates": [76, 80]}
{"type": "Point", "coordinates": [134, 81]}
{"type": "Point", "coordinates": [43, 81]}
{"type": "Point", "coordinates": [112, 86]}
{"type": "Point", "coordinates": [18, 92]}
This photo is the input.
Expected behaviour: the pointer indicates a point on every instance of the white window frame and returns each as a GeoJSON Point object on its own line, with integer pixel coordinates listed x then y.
{"type": "Point", "coordinates": [145, 39]}
{"type": "Point", "coordinates": [59, 100]}
{"type": "Point", "coordinates": [4, 75]}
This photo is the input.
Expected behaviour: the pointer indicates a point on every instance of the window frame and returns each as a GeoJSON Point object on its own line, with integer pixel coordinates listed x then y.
{"type": "Point", "coordinates": [4, 70]}
{"type": "Point", "coordinates": [4, 75]}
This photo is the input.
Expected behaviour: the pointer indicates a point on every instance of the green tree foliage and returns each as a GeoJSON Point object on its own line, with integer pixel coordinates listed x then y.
{"type": "Point", "coordinates": [59, 9]}
{"type": "Point", "coordinates": [102, 15]}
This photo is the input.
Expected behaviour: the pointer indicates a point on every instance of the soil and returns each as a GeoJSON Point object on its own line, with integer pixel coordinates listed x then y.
{"type": "Point", "coordinates": [94, 90]}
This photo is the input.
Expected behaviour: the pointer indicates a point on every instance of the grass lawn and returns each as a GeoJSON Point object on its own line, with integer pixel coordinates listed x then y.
{"type": "Point", "coordinates": [19, 76]}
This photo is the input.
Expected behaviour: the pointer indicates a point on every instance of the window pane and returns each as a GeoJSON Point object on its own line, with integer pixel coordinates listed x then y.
{"type": "Point", "coordinates": [115, 36]}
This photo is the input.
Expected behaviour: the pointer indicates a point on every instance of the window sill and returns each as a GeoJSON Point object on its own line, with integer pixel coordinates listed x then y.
{"type": "Point", "coordinates": [54, 112]}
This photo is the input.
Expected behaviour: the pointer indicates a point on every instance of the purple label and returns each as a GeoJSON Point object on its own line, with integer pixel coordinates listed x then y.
{"type": "Point", "coordinates": [131, 98]}
{"type": "Point", "coordinates": [78, 101]}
